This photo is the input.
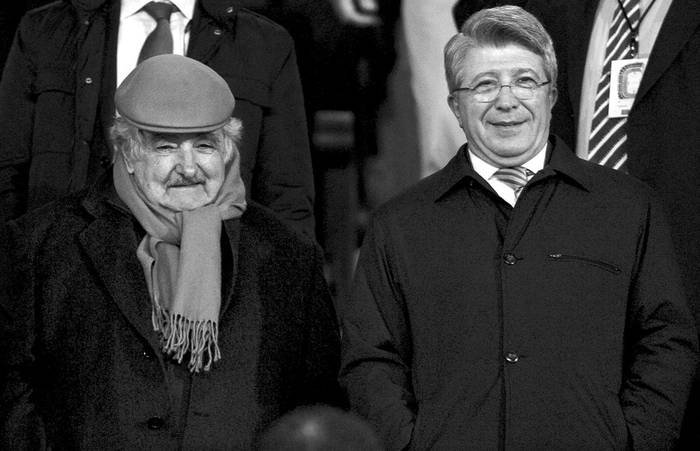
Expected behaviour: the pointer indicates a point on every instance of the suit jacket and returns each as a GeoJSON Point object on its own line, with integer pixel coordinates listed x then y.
{"type": "Point", "coordinates": [562, 327]}
{"type": "Point", "coordinates": [56, 103]}
{"type": "Point", "coordinates": [81, 367]}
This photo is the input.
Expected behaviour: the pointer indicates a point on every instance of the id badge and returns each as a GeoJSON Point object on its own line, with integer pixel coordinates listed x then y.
{"type": "Point", "coordinates": [625, 78]}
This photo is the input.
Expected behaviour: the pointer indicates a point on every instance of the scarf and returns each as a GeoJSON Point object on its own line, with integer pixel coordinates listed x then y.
{"type": "Point", "coordinates": [181, 259]}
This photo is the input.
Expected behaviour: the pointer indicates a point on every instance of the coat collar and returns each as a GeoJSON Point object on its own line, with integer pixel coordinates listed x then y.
{"type": "Point", "coordinates": [110, 242]}
{"type": "Point", "coordinates": [561, 161]}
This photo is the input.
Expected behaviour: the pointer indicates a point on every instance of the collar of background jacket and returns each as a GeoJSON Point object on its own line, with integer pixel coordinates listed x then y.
{"type": "Point", "coordinates": [220, 10]}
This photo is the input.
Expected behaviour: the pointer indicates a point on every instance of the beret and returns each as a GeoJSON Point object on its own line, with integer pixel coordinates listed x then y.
{"type": "Point", "coordinates": [174, 94]}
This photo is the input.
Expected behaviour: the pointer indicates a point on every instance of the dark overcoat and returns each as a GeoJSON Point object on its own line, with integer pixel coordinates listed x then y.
{"type": "Point", "coordinates": [563, 327]}
{"type": "Point", "coordinates": [80, 363]}
{"type": "Point", "coordinates": [57, 90]}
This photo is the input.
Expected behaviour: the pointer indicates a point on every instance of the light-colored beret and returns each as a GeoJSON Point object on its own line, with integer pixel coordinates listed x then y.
{"type": "Point", "coordinates": [174, 94]}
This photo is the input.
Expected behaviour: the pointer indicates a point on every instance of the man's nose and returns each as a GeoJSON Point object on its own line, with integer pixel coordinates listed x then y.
{"type": "Point", "coordinates": [505, 98]}
{"type": "Point", "coordinates": [187, 161]}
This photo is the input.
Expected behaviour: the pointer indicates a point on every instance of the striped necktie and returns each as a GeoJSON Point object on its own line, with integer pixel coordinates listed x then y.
{"type": "Point", "coordinates": [160, 41]}
{"type": "Point", "coordinates": [515, 177]}
{"type": "Point", "coordinates": [608, 135]}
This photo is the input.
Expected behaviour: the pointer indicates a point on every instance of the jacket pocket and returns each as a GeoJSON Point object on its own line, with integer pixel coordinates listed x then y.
{"type": "Point", "coordinates": [585, 260]}
{"type": "Point", "coordinates": [54, 78]}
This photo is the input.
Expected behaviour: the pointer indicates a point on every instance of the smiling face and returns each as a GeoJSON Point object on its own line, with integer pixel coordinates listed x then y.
{"type": "Point", "coordinates": [506, 131]}
{"type": "Point", "coordinates": [180, 171]}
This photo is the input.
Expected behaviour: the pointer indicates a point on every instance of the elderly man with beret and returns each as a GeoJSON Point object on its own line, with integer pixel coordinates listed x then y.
{"type": "Point", "coordinates": [520, 298]}
{"type": "Point", "coordinates": [68, 57]}
{"type": "Point", "coordinates": [159, 310]}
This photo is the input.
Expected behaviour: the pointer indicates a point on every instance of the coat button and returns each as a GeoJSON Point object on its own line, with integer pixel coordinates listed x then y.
{"type": "Point", "coordinates": [155, 423]}
{"type": "Point", "coordinates": [229, 10]}
{"type": "Point", "coordinates": [510, 259]}
{"type": "Point", "coordinates": [88, 80]}
{"type": "Point", "coordinates": [512, 357]}
{"type": "Point", "coordinates": [147, 353]}
{"type": "Point", "coordinates": [217, 32]}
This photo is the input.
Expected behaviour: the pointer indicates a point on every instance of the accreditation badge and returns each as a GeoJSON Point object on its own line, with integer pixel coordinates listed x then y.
{"type": "Point", "coordinates": [625, 78]}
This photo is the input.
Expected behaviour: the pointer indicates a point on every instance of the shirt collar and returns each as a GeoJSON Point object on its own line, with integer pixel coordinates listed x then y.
{"type": "Point", "coordinates": [558, 159]}
{"type": "Point", "coordinates": [486, 169]}
{"type": "Point", "coordinates": [131, 7]}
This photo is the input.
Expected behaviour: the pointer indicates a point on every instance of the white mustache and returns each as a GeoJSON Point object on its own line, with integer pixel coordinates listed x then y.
{"type": "Point", "coordinates": [183, 180]}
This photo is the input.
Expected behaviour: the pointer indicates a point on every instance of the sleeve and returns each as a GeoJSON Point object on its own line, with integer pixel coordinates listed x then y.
{"type": "Point", "coordinates": [21, 426]}
{"type": "Point", "coordinates": [376, 346]}
{"type": "Point", "coordinates": [283, 177]}
{"type": "Point", "coordinates": [320, 384]}
{"type": "Point", "coordinates": [16, 124]}
{"type": "Point", "coordinates": [661, 348]}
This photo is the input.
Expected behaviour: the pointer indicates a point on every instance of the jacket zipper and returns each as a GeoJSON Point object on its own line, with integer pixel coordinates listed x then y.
{"type": "Point", "coordinates": [600, 264]}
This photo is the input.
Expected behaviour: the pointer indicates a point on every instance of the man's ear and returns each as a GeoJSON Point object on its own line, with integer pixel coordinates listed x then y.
{"type": "Point", "coordinates": [553, 96]}
{"type": "Point", "coordinates": [453, 103]}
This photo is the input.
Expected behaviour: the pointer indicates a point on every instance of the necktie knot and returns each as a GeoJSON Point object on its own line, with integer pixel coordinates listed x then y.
{"type": "Point", "coordinates": [515, 177]}
{"type": "Point", "coordinates": [159, 10]}
{"type": "Point", "coordinates": [160, 41]}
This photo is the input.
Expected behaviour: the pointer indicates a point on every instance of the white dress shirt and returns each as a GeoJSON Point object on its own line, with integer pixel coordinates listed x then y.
{"type": "Point", "coordinates": [487, 170]}
{"type": "Point", "coordinates": [135, 25]}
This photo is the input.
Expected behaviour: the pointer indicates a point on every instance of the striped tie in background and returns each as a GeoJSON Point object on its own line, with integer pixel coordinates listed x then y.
{"type": "Point", "coordinates": [608, 136]}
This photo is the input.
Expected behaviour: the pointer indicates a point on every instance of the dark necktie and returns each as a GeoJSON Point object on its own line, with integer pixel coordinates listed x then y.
{"type": "Point", "coordinates": [515, 177]}
{"type": "Point", "coordinates": [160, 41]}
{"type": "Point", "coordinates": [608, 135]}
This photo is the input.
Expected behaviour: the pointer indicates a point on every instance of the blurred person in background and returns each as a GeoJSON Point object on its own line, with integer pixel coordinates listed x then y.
{"type": "Point", "coordinates": [416, 134]}
{"type": "Point", "coordinates": [319, 428]}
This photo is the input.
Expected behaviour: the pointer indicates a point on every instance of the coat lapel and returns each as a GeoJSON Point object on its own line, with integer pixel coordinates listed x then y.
{"type": "Point", "coordinates": [232, 228]}
{"type": "Point", "coordinates": [110, 244]}
{"type": "Point", "coordinates": [682, 20]}
{"type": "Point", "coordinates": [578, 48]}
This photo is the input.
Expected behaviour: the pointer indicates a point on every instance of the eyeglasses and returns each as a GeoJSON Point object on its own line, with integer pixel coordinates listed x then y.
{"type": "Point", "coordinates": [487, 90]}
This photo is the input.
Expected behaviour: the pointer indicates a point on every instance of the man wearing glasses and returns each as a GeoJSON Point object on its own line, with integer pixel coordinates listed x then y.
{"type": "Point", "coordinates": [520, 298]}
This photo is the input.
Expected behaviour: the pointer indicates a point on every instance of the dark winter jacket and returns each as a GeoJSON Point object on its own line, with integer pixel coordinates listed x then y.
{"type": "Point", "coordinates": [558, 324]}
{"type": "Point", "coordinates": [80, 364]}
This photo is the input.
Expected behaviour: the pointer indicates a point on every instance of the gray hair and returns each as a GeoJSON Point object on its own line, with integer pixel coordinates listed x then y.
{"type": "Point", "coordinates": [132, 143]}
{"type": "Point", "coordinates": [499, 27]}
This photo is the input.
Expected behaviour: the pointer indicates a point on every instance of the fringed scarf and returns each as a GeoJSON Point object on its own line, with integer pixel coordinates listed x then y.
{"type": "Point", "coordinates": [181, 259]}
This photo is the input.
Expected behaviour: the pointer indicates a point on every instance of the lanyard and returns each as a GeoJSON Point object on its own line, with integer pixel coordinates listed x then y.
{"type": "Point", "coordinates": [634, 31]}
